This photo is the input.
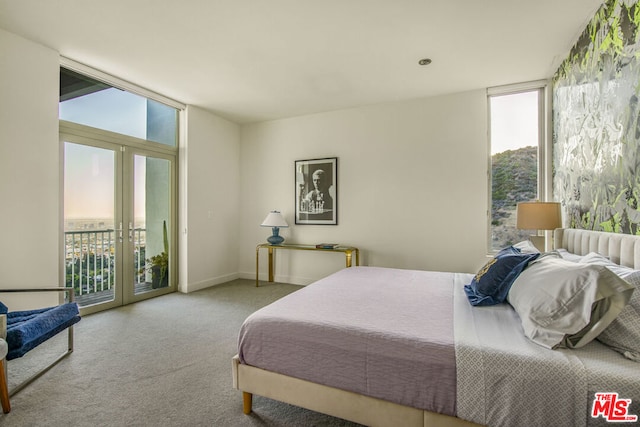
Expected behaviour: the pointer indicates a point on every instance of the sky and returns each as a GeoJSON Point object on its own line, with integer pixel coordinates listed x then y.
{"type": "Point", "coordinates": [89, 189]}
{"type": "Point", "coordinates": [88, 184]}
{"type": "Point", "coordinates": [110, 109]}
{"type": "Point", "coordinates": [514, 121]}
{"type": "Point", "coordinates": [90, 171]}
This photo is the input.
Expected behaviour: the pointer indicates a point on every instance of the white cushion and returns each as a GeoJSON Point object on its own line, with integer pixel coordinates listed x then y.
{"type": "Point", "coordinates": [623, 334]}
{"type": "Point", "coordinates": [565, 254]}
{"type": "Point", "coordinates": [526, 247]}
{"type": "Point", "coordinates": [567, 304]}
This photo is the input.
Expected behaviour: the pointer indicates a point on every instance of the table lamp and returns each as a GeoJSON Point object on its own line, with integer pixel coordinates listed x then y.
{"type": "Point", "coordinates": [275, 221]}
{"type": "Point", "coordinates": [538, 216]}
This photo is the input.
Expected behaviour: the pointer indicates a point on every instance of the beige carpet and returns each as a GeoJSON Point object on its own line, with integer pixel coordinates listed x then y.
{"type": "Point", "coordinates": [160, 362]}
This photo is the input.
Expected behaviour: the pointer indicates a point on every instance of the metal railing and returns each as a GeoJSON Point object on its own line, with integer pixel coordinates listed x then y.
{"type": "Point", "coordinates": [90, 259]}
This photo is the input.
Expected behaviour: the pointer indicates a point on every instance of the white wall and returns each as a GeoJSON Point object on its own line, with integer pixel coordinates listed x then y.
{"type": "Point", "coordinates": [29, 167]}
{"type": "Point", "coordinates": [210, 200]}
{"type": "Point", "coordinates": [412, 186]}
{"type": "Point", "coordinates": [412, 182]}
{"type": "Point", "coordinates": [30, 174]}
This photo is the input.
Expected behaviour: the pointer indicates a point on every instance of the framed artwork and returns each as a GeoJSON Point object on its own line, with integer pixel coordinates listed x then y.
{"type": "Point", "coordinates": [317, 191]}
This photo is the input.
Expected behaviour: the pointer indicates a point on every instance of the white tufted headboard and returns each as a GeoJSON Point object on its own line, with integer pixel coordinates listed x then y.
{"type": "Point", "coordinates": [623, 249]}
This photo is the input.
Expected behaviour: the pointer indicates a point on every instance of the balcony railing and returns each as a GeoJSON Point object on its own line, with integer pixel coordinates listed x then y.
{"type": "Point", "coordinates": [90, 261]}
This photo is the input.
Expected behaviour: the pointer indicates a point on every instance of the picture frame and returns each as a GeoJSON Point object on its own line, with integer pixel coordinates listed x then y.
{"type": "Point", "coordinates": [316, 191]}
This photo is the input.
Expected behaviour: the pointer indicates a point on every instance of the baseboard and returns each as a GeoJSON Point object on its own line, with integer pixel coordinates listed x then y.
{"type": "Point", "coordinates": [203, 284]}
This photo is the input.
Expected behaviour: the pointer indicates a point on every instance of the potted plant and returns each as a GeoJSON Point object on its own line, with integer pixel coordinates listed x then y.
{"type": "Point", "coordinates": [159, 264]}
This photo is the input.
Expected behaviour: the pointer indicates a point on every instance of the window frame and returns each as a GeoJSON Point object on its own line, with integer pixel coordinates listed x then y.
{"type": "Point", "coordinates": [81, 133]}
{"type": "Point", "coordinates": [545, 161]}
{"type": "Point", "coordinates": [119, 83]}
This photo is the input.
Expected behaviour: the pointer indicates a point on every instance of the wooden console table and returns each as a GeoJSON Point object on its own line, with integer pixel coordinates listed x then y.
{"type": "Point", "coordinates": [347, 250]}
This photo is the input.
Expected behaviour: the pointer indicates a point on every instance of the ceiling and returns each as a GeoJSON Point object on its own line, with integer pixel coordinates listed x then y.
{"type": "Point", "coordinates": [255, 60]}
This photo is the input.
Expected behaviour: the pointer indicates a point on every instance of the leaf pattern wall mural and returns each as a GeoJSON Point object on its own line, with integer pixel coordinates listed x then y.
{"type": "Point", "coordinates": [596, 123]}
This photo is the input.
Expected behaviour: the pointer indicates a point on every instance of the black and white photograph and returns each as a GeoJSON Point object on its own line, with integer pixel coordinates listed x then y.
{"type": "Point", "coordinates": [316, 191]}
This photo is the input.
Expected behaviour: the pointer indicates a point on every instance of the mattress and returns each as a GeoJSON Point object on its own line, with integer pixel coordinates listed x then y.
{"type": "Point", "coordinates": [385, 333]}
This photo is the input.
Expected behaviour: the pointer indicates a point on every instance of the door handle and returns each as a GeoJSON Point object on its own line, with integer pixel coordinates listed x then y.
{"type": "Point", "coordinates": [130, 232]}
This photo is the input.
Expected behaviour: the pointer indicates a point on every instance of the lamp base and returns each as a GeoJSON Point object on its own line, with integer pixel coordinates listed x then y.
{"type": "Point", "coordinates": [538, 242]}
{"type": "Point", "coordinates": [275, 238]}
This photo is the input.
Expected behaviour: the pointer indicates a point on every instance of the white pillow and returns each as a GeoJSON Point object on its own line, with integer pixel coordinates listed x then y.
{"type": "Point", "coordinates": [526, 247]}
{"type": "Point", "coordinates": [595, 258]}
{"type": "Point", "coordinates": [569, 256]}
{"type": "Point", "coordinates": [623, 334]}
{"type": "Point", "coordinates": [567, 304]}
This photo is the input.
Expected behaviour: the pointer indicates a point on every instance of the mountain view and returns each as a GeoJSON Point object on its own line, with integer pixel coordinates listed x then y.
{"type": "Point", "coordinates": [515, 178]}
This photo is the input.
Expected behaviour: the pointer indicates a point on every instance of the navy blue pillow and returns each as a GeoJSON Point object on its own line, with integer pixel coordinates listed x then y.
{"type": "Point", "coordinates": [492, 283]}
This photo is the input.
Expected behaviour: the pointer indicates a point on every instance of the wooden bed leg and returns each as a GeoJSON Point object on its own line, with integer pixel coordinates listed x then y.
{"type": "Point", "coordinates": [247, 399]}
{"type": "Point", "coordinates": [4, 392]}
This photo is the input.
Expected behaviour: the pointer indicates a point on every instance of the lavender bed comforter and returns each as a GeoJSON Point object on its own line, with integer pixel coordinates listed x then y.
{"type": "Point", "coordinates": [385, 333]}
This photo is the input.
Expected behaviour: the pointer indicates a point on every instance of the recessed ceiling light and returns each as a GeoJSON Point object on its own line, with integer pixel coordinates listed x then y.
{"type": "Point", "coordinates": [425, 61]}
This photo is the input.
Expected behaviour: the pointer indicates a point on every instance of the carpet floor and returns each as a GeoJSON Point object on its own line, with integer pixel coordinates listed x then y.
{"type": "Point", "coordinates": [164, 361]}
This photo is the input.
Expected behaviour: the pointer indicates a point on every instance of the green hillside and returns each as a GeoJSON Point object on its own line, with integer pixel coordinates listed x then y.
{"type": "Point", "coordinates": [515, 179]}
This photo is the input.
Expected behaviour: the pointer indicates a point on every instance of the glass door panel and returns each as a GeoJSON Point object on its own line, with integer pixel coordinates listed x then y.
{"type": "Point", "coordinates": [91, 224]}
{"type": "Point", "coordinates": [151, 222]}
{"type": "Point", "coordinates": [118, 216]}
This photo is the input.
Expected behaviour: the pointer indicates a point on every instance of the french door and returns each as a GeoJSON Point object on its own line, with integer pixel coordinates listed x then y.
{"type": "Point", "coordinates": [118, 217]}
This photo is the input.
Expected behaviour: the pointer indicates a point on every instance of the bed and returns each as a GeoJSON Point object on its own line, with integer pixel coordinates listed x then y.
{"type": "Point", "coordinates": [388, 347]}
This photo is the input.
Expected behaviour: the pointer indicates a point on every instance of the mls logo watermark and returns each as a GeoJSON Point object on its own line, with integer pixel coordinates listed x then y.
{"type": "Point", "coordinates": [610, 407]}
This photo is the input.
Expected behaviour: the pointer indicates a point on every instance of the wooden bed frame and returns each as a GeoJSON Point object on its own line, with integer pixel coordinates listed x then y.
{"type": "Point", "coordinates": [622, 249]}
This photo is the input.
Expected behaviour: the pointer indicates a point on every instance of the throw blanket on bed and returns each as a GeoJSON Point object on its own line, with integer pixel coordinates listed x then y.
{"type": "Point", "coordinates": [506, 380]}
{"type": "Point", "coordinates": [608, 371]}
{"type": "Point", "coordinates": [385, 333]}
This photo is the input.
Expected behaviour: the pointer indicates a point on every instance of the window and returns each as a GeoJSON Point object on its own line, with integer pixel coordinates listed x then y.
{"type": "Point", "coordinates": [120, 153]}
{"type": "Point", "coordinates": [517, 157]}
{"type": "Point", "coordinates": [87, 101]}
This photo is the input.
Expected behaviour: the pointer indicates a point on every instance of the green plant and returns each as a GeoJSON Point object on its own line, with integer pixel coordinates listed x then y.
{"type": "Point", "coordinates": [159, 264]}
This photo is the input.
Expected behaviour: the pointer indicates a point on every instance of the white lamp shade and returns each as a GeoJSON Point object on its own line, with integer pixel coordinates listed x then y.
{"type": "Point", "coordinates": [538, 216]}
{"type": "Point", "coordinates": [274, 219]}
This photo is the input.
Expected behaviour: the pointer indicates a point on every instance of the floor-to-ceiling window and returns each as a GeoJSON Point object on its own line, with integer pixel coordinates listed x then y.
{"type": "Point", "coordinates": [517, 146]}
{"type": "Point", "coordinates": [120, 154]}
